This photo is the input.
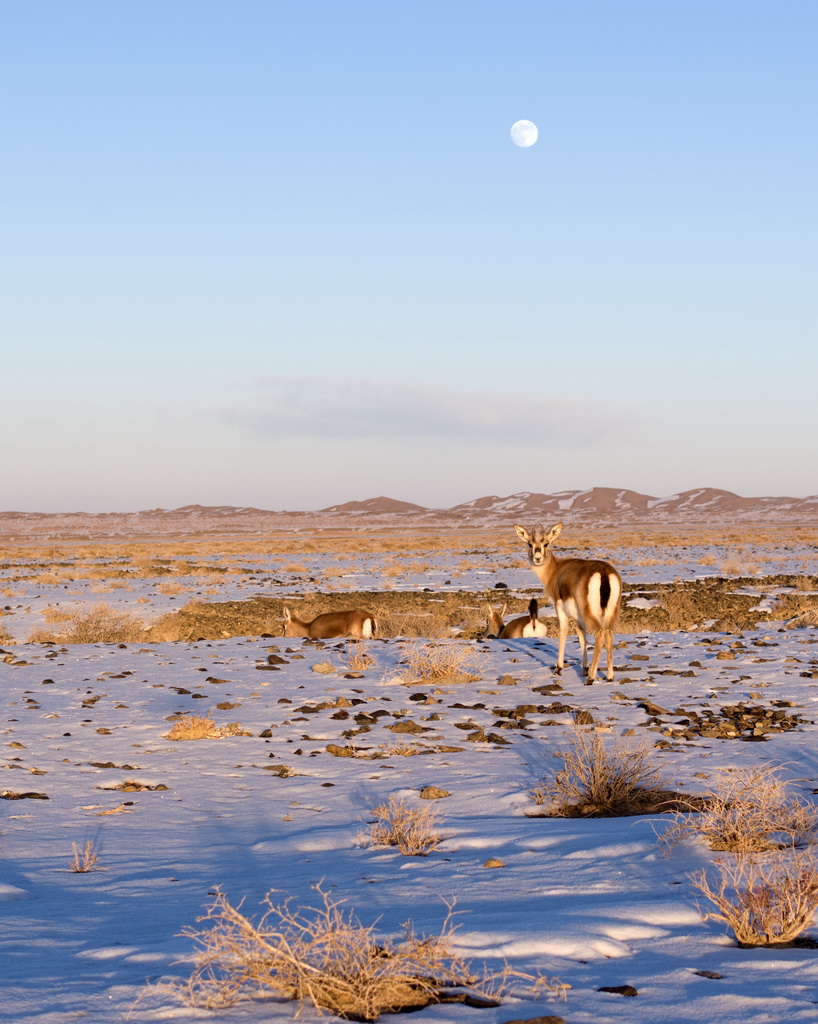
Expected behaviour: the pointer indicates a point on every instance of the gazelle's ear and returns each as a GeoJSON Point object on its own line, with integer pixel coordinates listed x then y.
{"type": "Point", "coordinates": [503, 610]}
{"type": "Point", "coordinates": [554, 532]}
{"type": "Point", "coordinates": [288, 617]}
{"type": "Point", "coordinates": [522, 532]}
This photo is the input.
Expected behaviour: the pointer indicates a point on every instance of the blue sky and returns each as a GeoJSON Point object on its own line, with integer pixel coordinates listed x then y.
{"type": "Point", "coordinates": [285, 254]}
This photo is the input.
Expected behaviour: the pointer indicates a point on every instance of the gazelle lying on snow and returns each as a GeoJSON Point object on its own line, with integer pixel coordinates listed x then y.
{"type": "Point", "coordinates": [583, 589]}
{"type": "Point", "coordinates": [355, 622]}
{"type": "Point", "coordinates": [524, 626]}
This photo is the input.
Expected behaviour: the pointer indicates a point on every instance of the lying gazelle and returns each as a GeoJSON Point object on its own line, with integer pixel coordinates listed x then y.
{"type": "Point", "coordinates": [355, 622]}
{"type": "Point", "coordinates": [524, 626]}
{"type": "Point", "coordinates": [583, 589]}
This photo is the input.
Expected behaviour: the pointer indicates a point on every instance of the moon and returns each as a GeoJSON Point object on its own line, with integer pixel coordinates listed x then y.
{"type": "Point", "coordinates": [524, 133]}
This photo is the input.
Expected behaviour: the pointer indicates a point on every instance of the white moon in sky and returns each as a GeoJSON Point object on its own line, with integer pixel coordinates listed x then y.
{"type": "Point", "coordinates": [524, 133]}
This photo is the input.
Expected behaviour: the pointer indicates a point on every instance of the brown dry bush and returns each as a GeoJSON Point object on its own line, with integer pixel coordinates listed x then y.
{"type": "Point", "coordinates": [799, 604]}
{"type": "Point", "coordinates": [764, 901]}
{"type": "Point", "coordinates": [446, 660]}
{"type": "Point", "coordinates": [357, 658]}
{"type": "Point", "coordinates": [606, 780]}
{"type": "Point", "coordinates": [752, 810]}
{"type": "Point", "coordinates": [319, 956]}
{"type": "Point", "coordinates": [170, 587]}
{"type": "Point", "coordinates": [202, 727]}
{"type": "Point", "coordinates": [411, 829]}
{"type": "Point", "coordinates": [95, 624]}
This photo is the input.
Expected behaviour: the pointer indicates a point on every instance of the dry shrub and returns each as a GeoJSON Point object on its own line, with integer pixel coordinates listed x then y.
{"type": "Point", "coordinates": [320, 956]}
{"type": "Point", "coordinates": [95, 624]}
{"type": "Point", "coordinates": [764, 902]}
{"type": "Point", "coordinates": [751, 811]}
{"type": "Point", "coordinates": [85, 857]}
{"type": "Point", "coordinates": [425, 662]}
{"type": "Point", "coordinates": [606, 780]}
{"type": "Point", "coordinates": [733, 567]}
{"type": "Point", "coordinates": [202, 727]}
{"type": "Point", "coordinates": [52, 614]}
{"type": "Point", "coordinates": [805, 618]}
{"type": "Point", "coordinates": [170, 587]}
{"type": "Point", "coordinates": [403, 749]}
{"type": "Point", "coordinates": [411, 829]}
{"type": "Point", "coordinates": [356, 658]}
{"type": "Point", "coordinates": [5, 636]}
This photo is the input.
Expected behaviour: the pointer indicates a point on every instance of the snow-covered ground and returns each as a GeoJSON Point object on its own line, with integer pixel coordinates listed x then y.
{"type": "Point", "coordinates": [592, 902]}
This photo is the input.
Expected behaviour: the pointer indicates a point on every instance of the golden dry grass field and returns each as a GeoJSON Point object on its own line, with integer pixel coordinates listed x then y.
{"type": "Point", "coordinates": [430, 581]}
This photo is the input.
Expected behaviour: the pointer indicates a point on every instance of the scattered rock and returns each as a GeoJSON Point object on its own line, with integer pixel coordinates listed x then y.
{"type": "Point", "coordinates": [652, 709]}
{"type": "Point", "coordinates": [338, 751]}
{"type": "Point", "coordinates": [620, 990]}
{"type": "Point", "coordinates": [132, 786]}
{"type": "Point", "coordinates": [433, 793]}
{"type": "Point", "coordinates": [494, 862]}
{"type": "Point", "coordinates": [407, 726]}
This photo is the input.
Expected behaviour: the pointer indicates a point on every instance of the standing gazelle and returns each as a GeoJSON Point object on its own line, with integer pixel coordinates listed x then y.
{"type": "Point", "coordinates": [583, 589]}
{"type": "Point", "coordinates": [356, 623]}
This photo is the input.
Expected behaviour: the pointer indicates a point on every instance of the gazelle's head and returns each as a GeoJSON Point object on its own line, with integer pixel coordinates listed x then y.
{"type": "Point", "coordinates": [494, 619]}
{"type": "Point", "coordinates": [539, 542]}
{"type": "Point", "coordinates": [290, 628]}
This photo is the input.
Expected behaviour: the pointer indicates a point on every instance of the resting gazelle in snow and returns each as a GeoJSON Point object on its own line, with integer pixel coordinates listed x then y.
{"type": "Point", "coordinates": [355, 622]}
{"type": "Point", "coordinates": [524, 626]}
{"type": "Point", "coordinates": [583, 589]}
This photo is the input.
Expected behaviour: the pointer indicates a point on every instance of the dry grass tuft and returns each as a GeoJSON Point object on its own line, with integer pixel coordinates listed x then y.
{"type": "Point", "coordinates": [85, 857]}
{"type": "Point", "coordinates": [411, 829]}
{"type": "Point", "coordinates": [605, 780]}
{"type": "Point", "coordinates": [425, 662]}
{"type": "Point", "coordinates": [356, 658]}
{"type": "Point", "coordinates": [764, 902]}
{"type": "Point", "coordinates": [170, 587]}
{"type": "Point", "coordinates": [202, 727]}
{"type": "Point", "coordinates": [751, 811]}
{"type": "Point", "coordinates": [322, 957]}
{"type": "Point", "coordinates": [94, 624]}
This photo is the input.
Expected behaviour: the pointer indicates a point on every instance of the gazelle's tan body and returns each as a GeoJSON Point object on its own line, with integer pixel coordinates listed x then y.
{"type": "Point", "coordinates": [519, 628]}
{"type": "Point", "coordinates": [355, 623]}
{"type": "Point", "coordinates": [585, 590]}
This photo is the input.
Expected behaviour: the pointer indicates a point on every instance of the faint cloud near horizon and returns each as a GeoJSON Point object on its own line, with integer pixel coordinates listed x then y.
{"type": "Point", "coordinates": [332, 407]}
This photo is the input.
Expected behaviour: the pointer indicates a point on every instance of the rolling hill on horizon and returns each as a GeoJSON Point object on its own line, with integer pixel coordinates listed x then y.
{"type": "Point", "coordinates": [597, 506]}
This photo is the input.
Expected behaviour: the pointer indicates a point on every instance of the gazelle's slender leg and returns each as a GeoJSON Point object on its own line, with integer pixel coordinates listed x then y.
{"type": "Point", "coordinates": [609, 646]}
{"type": "Point", "coordinates": [583, 644]}
{"type": "Point", "coordinates": [563, 627]}
{"type": "Point", "coordinates": [595, 659]}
